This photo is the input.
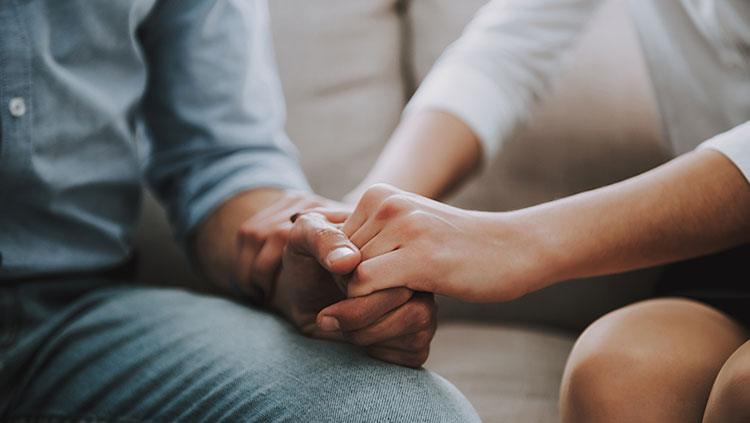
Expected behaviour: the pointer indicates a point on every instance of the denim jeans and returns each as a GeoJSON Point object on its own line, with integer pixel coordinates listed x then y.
{"type": "Point", "coordinates": [94, 351]}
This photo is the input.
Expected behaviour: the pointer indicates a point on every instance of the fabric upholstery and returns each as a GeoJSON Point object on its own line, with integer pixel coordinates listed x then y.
{"type": "Point", "coordinates": [340, 65]}
{"type": "Point", "coordinates": [509, 373]}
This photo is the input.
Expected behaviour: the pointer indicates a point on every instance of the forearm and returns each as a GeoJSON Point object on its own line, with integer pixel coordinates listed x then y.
{"type": "Point", "coordinates": [491, 77]}
{"type": "Point", "coordinates": [694, 205]}
{"type": "Point", "coordinates": [430, 153]}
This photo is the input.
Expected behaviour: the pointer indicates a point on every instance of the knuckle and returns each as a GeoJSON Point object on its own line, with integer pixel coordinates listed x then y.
{"type": "Point", "coordinates": [306, 219]}
{"type": "Point", "coordinates": [308, 223]}
{"type": "Point", "coordinates": [318, 227]}
{"type": "Point", "coordinates": [251, 233]}
{"type": "Point", "coordinates": [246, 228]}
{"type": "Point", "coordinates": [327, 234]}
{"type": "Point", "coordinates": [422, 315]}
{"type": "Point", "coordinates": [373, 195]}
{"type": "Point", "coordinates": [394, 205]}
{"type": "Point", "coordinates": [380, 190]}
{"type": "Point", "coordinates": [361, 274]}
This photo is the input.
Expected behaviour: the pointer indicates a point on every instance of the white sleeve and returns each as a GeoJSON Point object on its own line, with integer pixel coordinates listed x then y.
{"type": "Point", "coordinates": [735, 144]}
{"type": "Point", "coordinates": [503, 64]}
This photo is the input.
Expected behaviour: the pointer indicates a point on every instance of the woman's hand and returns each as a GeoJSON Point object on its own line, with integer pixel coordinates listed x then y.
{"type": "Point", "coordinates": [408, 240]}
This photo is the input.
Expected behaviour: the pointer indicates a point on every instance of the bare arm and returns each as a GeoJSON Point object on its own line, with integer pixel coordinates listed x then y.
{"type": "Point", "coordinates": [481, 87]}
{"type": "Point", "coordinates": [694, 205]}
{"type": "Point", "coordinates": [430, 153]}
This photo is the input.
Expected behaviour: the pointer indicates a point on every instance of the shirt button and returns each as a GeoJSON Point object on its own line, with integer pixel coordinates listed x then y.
{"type": "Point", "coordinates": [17, 107]}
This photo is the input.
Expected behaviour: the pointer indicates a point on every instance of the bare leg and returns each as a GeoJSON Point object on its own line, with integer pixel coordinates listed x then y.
{"type": "Point", "coordinates": [730, 397]}
{"type": "Point", "coordinates": [653, 361]}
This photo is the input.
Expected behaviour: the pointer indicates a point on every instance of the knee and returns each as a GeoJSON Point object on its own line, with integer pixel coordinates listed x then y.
{"type": "Point", "coordinates": [641, 354]}
{"type": "Point", "coordinates": [730, 396]}
{"type": "Point", "coordinates": [602, 375]}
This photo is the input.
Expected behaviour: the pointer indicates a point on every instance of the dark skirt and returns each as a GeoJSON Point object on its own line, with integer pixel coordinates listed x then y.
{"type": "Point", "coordinates": [721, 280]}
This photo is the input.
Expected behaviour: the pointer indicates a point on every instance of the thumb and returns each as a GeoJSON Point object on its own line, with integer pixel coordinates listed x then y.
{"type": "Point", "coordinates": [313, 235]}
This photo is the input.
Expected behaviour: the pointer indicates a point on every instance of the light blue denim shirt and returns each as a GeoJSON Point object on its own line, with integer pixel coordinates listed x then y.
{"type": "Point", "coordinates": [80, 78]}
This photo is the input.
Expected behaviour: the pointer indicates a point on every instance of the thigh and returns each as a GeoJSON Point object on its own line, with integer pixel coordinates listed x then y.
{"type": "Point", "coordinates": [166, 355]}
{"type": "Point", "coordinates": [662, 355]}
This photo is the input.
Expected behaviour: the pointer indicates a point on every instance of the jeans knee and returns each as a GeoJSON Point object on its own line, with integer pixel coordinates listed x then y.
{"type": "Point", "coordinates": [398, 394]}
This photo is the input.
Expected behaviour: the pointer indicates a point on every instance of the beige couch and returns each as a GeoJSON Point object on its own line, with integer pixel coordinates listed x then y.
{"type": "Point", "coordinates": [347, 68]}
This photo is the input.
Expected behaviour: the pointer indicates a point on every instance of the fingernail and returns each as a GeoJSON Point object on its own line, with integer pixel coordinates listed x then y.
{"type": "Point", "coordinates": [339, 254]}
{"type": "Point", "coordinates": [329, 324]}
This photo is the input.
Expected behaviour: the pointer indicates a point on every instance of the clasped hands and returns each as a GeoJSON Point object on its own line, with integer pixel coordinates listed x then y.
{"type": "Point", "coordinates": [368, 276]}
{"type": "Point", "coordinates": [301, 270]}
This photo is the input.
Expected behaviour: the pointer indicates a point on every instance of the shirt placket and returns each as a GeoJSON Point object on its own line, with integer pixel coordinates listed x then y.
{"type": "Point", "coordinates": [15, 103]}
{"type": "Point", "coordinates": [15, 92]}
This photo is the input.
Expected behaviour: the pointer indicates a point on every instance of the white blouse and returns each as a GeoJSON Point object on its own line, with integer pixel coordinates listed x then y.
{"type": "Point", "coordinates": [697, 53]}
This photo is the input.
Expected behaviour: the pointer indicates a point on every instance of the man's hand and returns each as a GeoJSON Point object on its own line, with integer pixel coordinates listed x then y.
{"type": "Point", "coordinates": [395, 325]}
{"type": "Point", "coordinates": [314, 259]}
{"type": "Point", "coordinates": [260, 243]}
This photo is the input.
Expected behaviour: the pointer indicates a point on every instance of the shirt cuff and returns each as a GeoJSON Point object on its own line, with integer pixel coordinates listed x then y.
{"type": "Point", "coordinates": [472, 97]}
{"type": "Point", "coordinates": [222, 178]}
{"type": "Point", "coordinates": [735, 144]}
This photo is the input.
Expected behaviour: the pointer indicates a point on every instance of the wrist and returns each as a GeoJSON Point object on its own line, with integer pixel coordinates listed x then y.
{"type": "Point", "coordinates": [531, 249]}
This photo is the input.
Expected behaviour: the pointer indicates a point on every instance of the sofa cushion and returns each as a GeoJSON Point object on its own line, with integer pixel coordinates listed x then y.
{"type": "Point", "coordinates": [510, 374]}
{"type": "Point", "coordinates": [434, 24]}
{"type": "Point", "coordinates": [340, 67]}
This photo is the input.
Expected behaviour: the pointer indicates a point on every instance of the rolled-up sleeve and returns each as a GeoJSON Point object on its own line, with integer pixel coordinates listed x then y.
{"type": "Point", "coordinates": [503, 64]}
{"type": "Point", "coordinates": [735, 144]}
{"type": "Point", "coordinates": [213, 109]}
